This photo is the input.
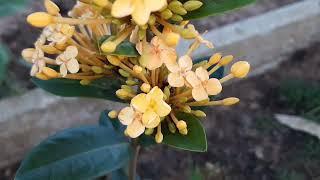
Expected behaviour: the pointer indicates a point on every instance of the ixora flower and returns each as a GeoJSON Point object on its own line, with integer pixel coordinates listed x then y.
{"type": "Point", "coordinates": [202, 86]}
{"type": "Point", "coordinates": [145, 112]}
{"type": "Point", "coordinates": [67, 61]}
{"type": "Point", "coordinates": [140, 10]}
{"type": "Point", "coordinates": [154, 54]}
{"type": "Point", "coordinates": [58, 33]}
{"type": "Point", "coordinates": [179, 71]}
{"type": "Point", "coordinates": [36, 56]}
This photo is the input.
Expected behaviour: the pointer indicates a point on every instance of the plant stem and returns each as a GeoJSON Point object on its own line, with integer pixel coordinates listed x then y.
{"type": "Point", "coordinates": [134, 160]}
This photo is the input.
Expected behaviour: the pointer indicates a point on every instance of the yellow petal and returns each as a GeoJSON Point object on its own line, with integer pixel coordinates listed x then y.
{"type": "Point", "coordinates": [140, 13]}
{"type": "Point", "coordinates": [199, 93]}
{"type": "Point", "coordinates": [34, 70]}
{"type": "Point", "coordinates": [135, 129]}
{"type": "Point", "coordinates": [168, 56]}
{"type": "Point", "coordinates": [175, 80]}
{"type": "Point", "coordinates": [63, 70]}
{"type": "Point", "coordinates": [185, 63]}
{"type": "Point", "coordinates": [122, 8]}
{"type": "Point", "coordinates": [162, 108]}
{"type": "Point", "coordinates": [174, 68]}
{"type": "Point", "coordinates": [73, 65]}
{"type": "Point", "coordinates": [213, 86]}
{"type": "Point", "coordinates": [202, 74]}
{"type": "Point", "coordinates": [71, 52]}
{"type": "Point", "coordinates": [192, 79]}
{"type": "Point", "coordinates": [150, 119]}
{"type": "Point", "coordinates": [126, 115]}
{"type": "Point", "coordinates": [140, 102]}
{"type": "Point", "coordinates": [155, 94]}
{"type": "Point", "coordinates": [155, 6]}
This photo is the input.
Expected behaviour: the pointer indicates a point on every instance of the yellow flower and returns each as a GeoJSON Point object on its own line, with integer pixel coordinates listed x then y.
{"type": "Point", "coordinates": [154, 54]}
{"type": "Point", "coordinates": [145, 112]}
{"type": "Point", "coordinates": [179, 71]}
{"type": "Point", "coordinates": [58, 33]}
{"type": "Point", "coordinates": [140, 10]}
{"type": "Point", "coordinates": [35, 56]}
{"type": "Point", "coordinates": [202, 86]}
{"type": "Point", "coordinates": [67, 61]}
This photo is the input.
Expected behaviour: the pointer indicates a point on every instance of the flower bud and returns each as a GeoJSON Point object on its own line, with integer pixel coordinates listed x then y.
{"type": "Point", "coordinates": [152, 20]}
{"type": "Point", "coordinates": [230, 101]}
{"type": "Point", "coordinates": [97, 69]}
{"type": "Point", "coordinates": [179, 10]}
{"type": "Point", "coordinates": [199, 113]}
{"type": "Point", "coordinates": [174, 4]}
{"type": "Point", "coordinates": [159, 137]}
{"type": "Point", "coordinates": [42, 76]}
{"type": "Point", "coordinates": [166, 14]}
{"type": "Point", "coordinates": [51, 73]}
{"type": "Point", "coordinates": [166, 91]}
{"type": "Point", "coordinates": [172, 39]}
{"type": "Point", "coordinates": [101, 3]}
{"type": "Point", "coordinates": [51, 7]}
{"type": "Point", "coordinates": [172, 127]}
{"type": "Point", "coordinates": [114, 60]}
{"type": "Point", "coordinates": [145, 87]}
{"type": "Point", "coordinates": [131, 82]}
{"type": "Point", "coordinates": [124, 73]}
{"type": "Point", "coordinates": [188, 34]}
{"type": "Point", "coordinates": [214, 59]}
{"type": "Point", "coordinates": [113, 114]}
{"type": "Point", "coordinates": [108, 46]}
{"type": "Point", "coordinates": [186, 109]}
{"type": "Point", "coordinates": [225, 60]}
{"type": "Point", "coordinates": [49, 49]}
{"type": "Point", "coordinates": [85, 82]}
{"type": "Point", "coordinates": [127, 88]}
{"type": "Point", "coordinates": [181, 125]}
{"type": "Point", "coordinates": [149, 131]}
{"type": "Point", "coordinates": [137, 69]}
{"type": "Point", "coordinates": [192, 5]}
{"type": "Point", "coordinates": [27, 54]}
{"type": "Point", "coordinates": [240, 69]}
{"type": "Point", "coordinates": [183, 131]}
{"type": "Point", "coordinates": [176, 18]}
{"type": "Point", "coordinates": [39, 19]}
{"type": "Point", "coordinates": [122, 94]}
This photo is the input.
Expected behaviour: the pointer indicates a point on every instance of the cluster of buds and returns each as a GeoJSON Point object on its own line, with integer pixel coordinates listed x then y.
{"type": "Point", "coordinates": [158, 83]}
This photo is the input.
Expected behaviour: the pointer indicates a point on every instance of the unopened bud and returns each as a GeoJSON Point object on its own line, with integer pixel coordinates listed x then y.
{"type": "Point", "coordinates": [186, 109]}
{"type": "Point", "coordinates": [181, 125]}
{"type": "Point", "coordinates": [188, 34]}
{"type": "Point", "coordinates": [159, 137]}
{"type": "Point", "coordinates": [39, 19]}
{"type": "Point", "coordinates": [122, 94]}
{"type": "Point", "coordinates": [51, 7]}
{"type": "Point", "coordinates": [85, 82]}
{"type": "Point", "coordinates": [124, 73]}
{"type": "Point", "coordinates": [114, 60]}
{"type": "Point", "coordinates": [199, 113]}
{"type": "Point", "coordinates": [225, 60]}
{"type": "Point", "coordinates": [27, 54]}
{"type": "Point", "coordinates": [174, 4]}
{"type": "Point", "coordinates": [127, 88]}
{"type": "Point", "coordinates": [172, 127]}
{"type": "Point", "coordinates": [166, 14]}
{"type": "Point", "coordinates": [145, 87]}
{"type": "Point", "coordinates": [179, 10]}
{"type": "Point", "coordinates": [51, 73]}
{"type": "Point", "coordinates": [183, 131]}
{"type": "Point", "coordinates": [101, 3]}
{"type": "Point", "coordinates": [137, 69]}
{"type": "Point", "coordinates": [240, 69]}
{"type": "Point", "coordinates": [230, 101]}
{"type": "Point", "coordinates": [176, 18]}
{"type": "Point", "coordinates": [166, 91]}
{"type": "Point", "coordinates": [192, 5]}
{"type": "Point", "coordinates": [172, 39]}
{"type": "Point", "coordinates": [42, 76]}
{"type": "Point", "coordinates": [152, 20]}
{"type": "Point", "coordinates": [108, 46]}
{"type": "Point", "coordinates": [113, 114]}
{"type": "Point", "coordinates": [131, 82]}
{"type": "Point", "coordinates": [50, 49]}
{"type": "Point", "coordinates": [214, 59]}
{"type": "Point", "coordinates": [149, 131]}
{"type": "Point", "coordinates": [97, 69]}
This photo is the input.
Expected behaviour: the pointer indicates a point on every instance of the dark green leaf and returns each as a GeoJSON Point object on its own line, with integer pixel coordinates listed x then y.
{"type": "Point", "coordinates": [76, 154]}
{"type": "Point", "coordinates": [4, 61]}
{"type": "Point", "coordinates": [121, 174]}
{"type": "Point", "coordinates": [9, 7]}
{"type": "Point", "coordinates": [125, 48]}
{"type": "Point", "coordinates": [195, 140]}
{"type": "Point", "coordinates": [104, 88]}
{"type": "Point", "coordinates": [214, 7]}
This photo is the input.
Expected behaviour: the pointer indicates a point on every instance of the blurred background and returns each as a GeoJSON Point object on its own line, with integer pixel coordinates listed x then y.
{"type": "Point", "coordinates": [248, 141]}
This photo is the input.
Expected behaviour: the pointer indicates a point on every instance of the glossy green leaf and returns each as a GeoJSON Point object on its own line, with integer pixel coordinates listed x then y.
{"type": "Point", "coordinates": [9, 7]}
{"type": "Point", "coordinates": [75, 154]}
{"type": "Point", "coordinates": [4, 61]}
{"type": "Point", "coordinates": [125, 48]}
{"type": "Point", "coordinates": [195, 140]}
{"type": "Point", "coordinates": [104, 88]}
{"type": "Point", "coordinates": [214, 7]}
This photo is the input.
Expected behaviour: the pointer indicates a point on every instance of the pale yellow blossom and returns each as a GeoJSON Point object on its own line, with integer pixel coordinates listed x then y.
{"type": "Point", "coordinates": [58, 33]}
{"type": "Point", "coordinates": [67, 61]}
{"type": "Point", "coordinates": [36, 57]}
{"type": "Point", "coordinates": [202, 85]}
{"type": "Point", "coordinates": [154, 54]}
{"type": "Point", "coordinates": [179, 71]}
{"type": "Point", "coordinates": [140, 10]}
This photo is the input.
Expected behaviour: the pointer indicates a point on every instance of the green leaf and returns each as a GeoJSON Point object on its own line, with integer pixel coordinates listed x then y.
{"type": "Point", "coordinates": [197, 175]}
{"type": "Point", "coordinates": [75, 154]}
{"type": "Point", "coordinates": [10, 7]}
{"type": "Point", "coordinates": [195, 140]}
{"type": "Point", "coordinates": [4, 61]}
{"type": "Point", "coordinates": [104, 88]}
{"type": "Point", "coordinates": [214, 7]}
{"type": "Point", "coordinates": [125, 48]}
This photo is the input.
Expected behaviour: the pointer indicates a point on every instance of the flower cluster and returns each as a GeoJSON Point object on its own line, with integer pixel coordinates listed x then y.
{"type": "Point", "coordinates": [159, 83]}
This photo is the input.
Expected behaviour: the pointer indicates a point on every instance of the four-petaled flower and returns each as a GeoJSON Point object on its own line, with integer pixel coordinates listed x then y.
{"type": "Point", "coordinates": [179, 71]}
{"type": "Point", "coordinates": [38, 60]}
{"type": "Point", "coordinates": [145, 112]}
{"type": "Point", "coordinates": [201, 85]}
{"type": "Point", "coordinates": [67, 61]}
{"type": "Point", "coordinates": [154, 54]}
{"type": "Point", "coordinates": [140, 10]}
{"type": "Point", "coordinates": [58, 33]}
